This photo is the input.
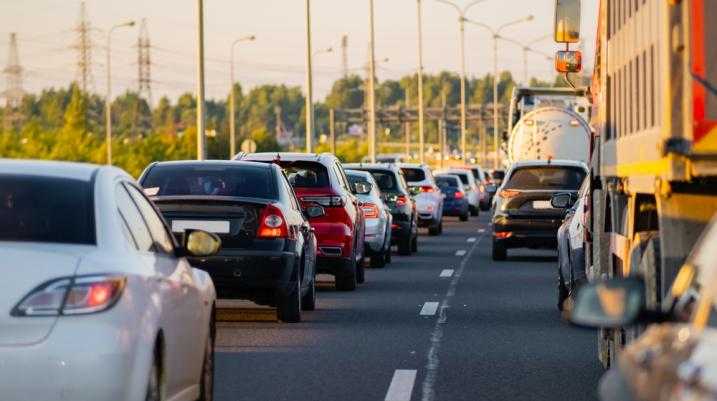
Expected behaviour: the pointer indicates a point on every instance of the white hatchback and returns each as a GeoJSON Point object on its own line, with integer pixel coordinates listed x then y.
{"type": "Point", "coordinates": [428, 197]}
{"type": "Point", "coordinates": [97, 301]}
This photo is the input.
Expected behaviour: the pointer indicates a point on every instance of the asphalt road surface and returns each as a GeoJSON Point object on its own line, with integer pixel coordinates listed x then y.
{"type": "Point", "coordinates": [447, 323]}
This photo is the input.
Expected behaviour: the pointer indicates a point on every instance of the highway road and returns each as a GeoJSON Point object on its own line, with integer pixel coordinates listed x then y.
{"type": "Point", "coordinates": [445, 324]}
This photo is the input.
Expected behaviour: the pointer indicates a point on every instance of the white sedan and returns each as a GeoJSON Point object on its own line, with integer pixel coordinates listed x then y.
{"type": "Point", "coordinates": [97, 301]}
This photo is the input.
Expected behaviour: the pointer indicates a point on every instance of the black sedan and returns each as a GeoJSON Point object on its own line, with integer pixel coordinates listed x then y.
{"type": "Point", "coordinates": [395, 194]}
{"type": "Point", "coordinates": [523, 216]}
{"type": "Point", "coordinates": [268, 250]}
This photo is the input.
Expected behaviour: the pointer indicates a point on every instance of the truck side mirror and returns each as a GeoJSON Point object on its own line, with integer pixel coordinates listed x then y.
{"type": "Point", "coordinates": [568, 61]}
{"type": "Point", "coordinates": [567, 21]}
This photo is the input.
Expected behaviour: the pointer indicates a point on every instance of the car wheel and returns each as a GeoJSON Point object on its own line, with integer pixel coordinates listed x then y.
{"type": "Point", "coordinates": [464, 217]}
{"type": "Point", "coordinates": [289, 305]}
{"type": "Point", "coordinates": [440, 227]}
{"type": "Point", "coordinates": [562, 292]}
{"type": "Point", "coordinates": [404, 246]}
{"type": "Point", "coordinates": [474, 211]}
{"type": "Point", "coordinates": [308, 301]}
{"type": "Point", "coordinates": [346, 279]}
{"type": "Point", "coordinates": [499, 251]}
{"type": "Point", "coordinates": [435, 229]}
{"type": "Point", "coordinates": [414, 244]}
{"type": "Point", "coordinates": [154, 383]}
{"type": "Point", "coordinates": [387, 254]}
{"type": "Point", "coordinates": [206, 391]}
{"type": "Point", "coordinates": [378, 260]}
{"type": "Point", "coordinates": [360, 272]}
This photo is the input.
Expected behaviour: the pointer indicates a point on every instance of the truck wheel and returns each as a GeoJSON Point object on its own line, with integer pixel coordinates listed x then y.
{"type": "Point", "coordinates": [289, 306]}
{"type": "Point", "coordinates": [499, 252]}
{"type": "Point", "coordinates": [346, 279]}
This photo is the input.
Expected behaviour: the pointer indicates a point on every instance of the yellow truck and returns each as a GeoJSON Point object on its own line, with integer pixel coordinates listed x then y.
{"type": "Point", "coordinates": [654, 147]}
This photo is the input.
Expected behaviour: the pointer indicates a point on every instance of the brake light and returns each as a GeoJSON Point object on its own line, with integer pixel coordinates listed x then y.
{"type": "Point", "coordinates": [272, 224]}
{"type": "Point", "coordinates": [326, 201]}
{"type": "Point", "coordinates": [508, 193]}
{"type": "Point", "coordinates": [370, 210]}
{"type": "Point", "coordinates": [401, 200]}
{"type": "Point", "coordinates": [503, 234]}
{"type": "Point", "coordinates": [482, 188]}
{"type": "Point", "coordinates": [458, 195]}
{"type": "Point", "coordinates": [72, 296]}
{"type": "Point", "coordinates": [427, 188]}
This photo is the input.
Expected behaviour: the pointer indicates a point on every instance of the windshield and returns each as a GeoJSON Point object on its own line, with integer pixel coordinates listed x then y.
{"type": "Point", "coordinates": [210, 180]}
{"type": "Point", "coordinates": [386, 180]}
{"type": "Point", "coordinates": [463, 176]}
{"type": "Point", "coordinates": [546, 178]}
{"type": "Point", "coordinates": [413, 174]}
{"type": "Point", "coordinates": [446, 182]}
{"type": "Point", "coordinates": [43, 209]}
{"type": "Point", "coordinates": [306, 174]}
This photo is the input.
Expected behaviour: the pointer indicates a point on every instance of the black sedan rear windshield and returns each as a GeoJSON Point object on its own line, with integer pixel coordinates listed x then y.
{"type": "Point", "coordinates": [447, 182]}
{"type": "Point", "coordinates": [413, 174]}
{"type": "Point", "coordinates": [386, 180]}
{"type": "Point", "coordinates": [44, 209]}
{"type": "Point", "coordinates": [210, 180]}
{"type": "Point", "coordinates": [463, 177]}
{"type": "Point", "coordinates": [546, 177]}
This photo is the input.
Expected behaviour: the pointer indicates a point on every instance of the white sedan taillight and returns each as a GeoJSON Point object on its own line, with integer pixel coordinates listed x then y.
{"type": "Point", "coordinates": [72, 296]}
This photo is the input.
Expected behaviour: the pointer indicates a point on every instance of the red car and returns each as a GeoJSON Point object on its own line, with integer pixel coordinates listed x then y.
{"type": "Point", "coordinates": [320, 179]}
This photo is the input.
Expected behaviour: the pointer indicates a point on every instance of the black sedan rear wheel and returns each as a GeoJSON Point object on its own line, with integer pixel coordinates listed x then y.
{"type": "Point", "coordinates": [499, 251]}
{"type": "Point", "coordinates": [289, 306]}
{"type": "Point", "coordinates": [308, 301]}
{"type": "Point", "coordinates": [404, 246]}
{"type": "Point", "coordinates": [346, 279]}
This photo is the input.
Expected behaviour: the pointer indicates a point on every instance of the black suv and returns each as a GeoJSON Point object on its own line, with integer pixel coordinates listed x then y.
{"type": "Point", "coordinates": [396, 195]}
{"type": "Point", "coordinates": [268, 250]}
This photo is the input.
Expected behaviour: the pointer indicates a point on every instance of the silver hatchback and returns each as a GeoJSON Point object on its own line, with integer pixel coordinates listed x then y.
{"type": "Point", "coordinates": [377, 237]}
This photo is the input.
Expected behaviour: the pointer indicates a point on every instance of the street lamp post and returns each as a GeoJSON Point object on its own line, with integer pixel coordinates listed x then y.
{"type": "Point", "coordinates": [496, 36]}
{"type": "Point", "coordinates": [309, 82]}
{"type": "Point", "coordinates": [421, 137]}
{"type": "Point", "coordinates": [201, 138]}
{"type": "Point", "coordinates": [232, 100]}
{"type": "Point", "coordinates": [461, 24]}
{"type": "Point", "coordinates": [371, 88]}
{"type": "Point", "coordinates": [108, 98]}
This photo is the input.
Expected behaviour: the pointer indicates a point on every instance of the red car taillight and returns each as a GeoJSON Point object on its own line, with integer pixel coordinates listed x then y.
{"type": "Point", "coordinates": [401, 200]}
{"type": "Point", "coordinates": [508, 193]}
{"type": "Point", "coordinates": [72, 296]}
{"type": "Point", "coordinates": [272, 224]}
{"type": "Point", "coordinates": [326, 201]}
{"type": "Point", "coordinates": [458, 195]}
{"type": "Point", "coordinates": [427, 188]}
{"type": "Point", "coordinates": [370, 210]}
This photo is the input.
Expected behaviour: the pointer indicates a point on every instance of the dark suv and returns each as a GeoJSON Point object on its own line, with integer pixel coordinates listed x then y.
{"type": "Point", "coordinates": [395, 193]}
{"type": "Point", "coordinates": [523, 215]}
{"type": "Point", "coordinates": [268, 250]}
{"type": "Point", "coordinates": [319, 179]}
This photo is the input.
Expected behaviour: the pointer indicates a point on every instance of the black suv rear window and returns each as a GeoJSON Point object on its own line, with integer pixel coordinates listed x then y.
{"type": "Point", "coordinates": [210, 180]}
{"type": "Point", "coordinates": [446, 182]}
{"type": "Point", "coordinates": [413, 174]}
{"type": "Point", "coordinates": [463, 177]}
{"type": "Point", "coordinates": [546, 177]}
{"type": "Point", "coordinates": [45, 209]}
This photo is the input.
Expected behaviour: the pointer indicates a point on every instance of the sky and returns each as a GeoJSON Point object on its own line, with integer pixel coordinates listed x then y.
{"type": "Point", "coordinates": [45, 39]}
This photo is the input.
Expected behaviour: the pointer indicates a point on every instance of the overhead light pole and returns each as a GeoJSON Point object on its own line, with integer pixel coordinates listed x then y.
{"type": "Point", "coordinates": [496, 36]}
{"type": "Point", "coordinates": [371, 88]}
{"type": "Point", "coordinates": [201, 138]}
{"type": "Point", "coordinates": [108, 97]}
{"type": "Point", "coordinates": [526, 48]}
{"type": "Point", "coordinates": [309, 82]}
{"type": "Point", "coordinates": [232, 100]}
{"type": "Point", "coordinates": [461, 24]}
{"type": "Point", "coordinates": [421, 137]}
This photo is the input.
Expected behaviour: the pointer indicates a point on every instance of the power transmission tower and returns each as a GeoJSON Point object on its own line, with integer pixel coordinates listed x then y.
{"type": "Point", "coordinates": [345, 55]}
{"type": "Point", "coordinates": [83, 45]}
{"type": "Point", "coordinates": [144, 62]}
{"type": "Point", "coordinates": [13, 92]}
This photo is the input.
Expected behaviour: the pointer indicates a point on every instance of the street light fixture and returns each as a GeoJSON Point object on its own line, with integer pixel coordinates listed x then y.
{"type": "Point", "coordinates": [309, 82]}
{"type": "Point", "coordinates": [324, 51]}
{"type": "Point", "coordinates": [461, 23]}
{"type": "Point", "coordinates": [108, 99]}
{"type": "Point", "coordinates": [232, 104]}
{"type": "Point", "coordinates": [495, 32]}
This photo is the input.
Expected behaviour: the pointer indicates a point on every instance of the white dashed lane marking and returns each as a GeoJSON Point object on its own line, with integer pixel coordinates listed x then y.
{"type": "Point", "coordinates": [446, 273]}
{"type": "Point", "coordinates": [401, 385]}
{"type": "Point", "coordinates": [471, 239]}
{"type": "Point", "coordinates": [429, 309]}
{"type": "Point", "coordinates": [461, 252]}
{"type": "Point", "coordinates": [481, 230]}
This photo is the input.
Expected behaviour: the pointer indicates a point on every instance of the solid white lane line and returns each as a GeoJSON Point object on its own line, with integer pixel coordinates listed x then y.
{"type": "Point", "coordinates": [446, 272]}
{"type": "Point", "coordinates": [428, 392]}
{"type": "Point", "coordinates": [471, 239]}
{"type": "Point", "coordinates": [429, 309]}
{"type": "Point", "coordinates": [461, 252]}
{"type": "Point", "coordinates": [401, 385]}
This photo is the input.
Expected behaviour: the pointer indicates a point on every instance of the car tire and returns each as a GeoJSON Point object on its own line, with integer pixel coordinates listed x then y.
{"type": "Point", "coordinates": [414, 244]}
{"type": "Point", "coordinates": [464, 217]}
{"type": "Point", "coordinates": [440, 227]}
{"type": "Point", "coordinates": [563, 293]}
{"type": "Point", "coordinates": [360, 272]}
{"type": "Point", "coordinates": [404, 246]}
{"type": "Point", "coordinates": [206, 386]}
{"type": "Point", "coordinates": [346, 279]}
{"type": "Point", "coordinates": [499, 252]}
{"type": "Point", "coordinates": [378, 260]}
{"type": "Point", "coordinates": [435, 229]}
{"type": "Point", "coordinates": [289, 306]}
{"type": "Point", "coordinates": [474, 211]}
{"type": "Point", "coordinates": [308, 301]}
{"type": "Point", "coordinates": [388, 254]}
{"type": "Point", "coordinates": [154, 381]}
